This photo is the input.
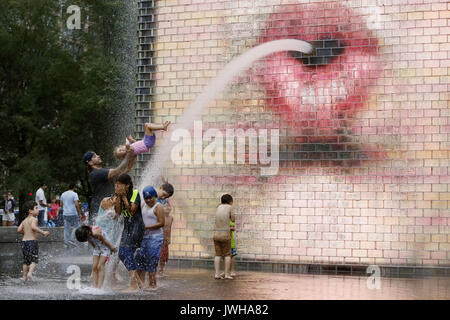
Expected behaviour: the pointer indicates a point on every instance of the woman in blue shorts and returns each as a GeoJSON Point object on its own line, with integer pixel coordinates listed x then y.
{"type": "Point", "coordinates": [147, 256]}
{"type": "Point", "coordinates": [133, 227]}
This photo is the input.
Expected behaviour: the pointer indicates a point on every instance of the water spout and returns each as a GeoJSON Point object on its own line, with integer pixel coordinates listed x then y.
{"type": "Point", "coordinates": [235, 67]}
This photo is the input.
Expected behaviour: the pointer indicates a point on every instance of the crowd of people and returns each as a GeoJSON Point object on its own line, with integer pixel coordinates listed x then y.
{"type": "Point", "coordinates": [142, 237]}
{"type": "Point", "coordinates": [143, 243]}
{"type": "Point", "coordinates": [49, 214]}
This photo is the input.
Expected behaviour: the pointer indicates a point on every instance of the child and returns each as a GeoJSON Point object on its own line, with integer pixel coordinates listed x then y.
{"type": "Point", "coordinates": [148, 254]}
{"type": "Point", "coordinates": [164, 257]}
{"type": "Point", "coordinates": [222, 236]}
{"type": "Point", "coordinates": [102, 250]}
{"type": "Point", "coordinates": [108, 220]}
{"type": "Point", "coordinates": [53, 213]}
{"type": "Point", "coordinates": [143, 145]}
{"type": "Point", "coordinates": [29, 228]}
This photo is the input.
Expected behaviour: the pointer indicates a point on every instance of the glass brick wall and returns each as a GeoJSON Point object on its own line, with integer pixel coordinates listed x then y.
{"type": "Point", "coordinates": [362, 124]}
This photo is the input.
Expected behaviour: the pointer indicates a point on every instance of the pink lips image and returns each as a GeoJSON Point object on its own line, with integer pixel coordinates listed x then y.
{"type": "Point", "coordinates": [317, 95]}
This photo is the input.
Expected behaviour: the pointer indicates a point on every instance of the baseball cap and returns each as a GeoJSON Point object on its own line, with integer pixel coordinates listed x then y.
{"type": "Point", "coordinates": [88, 156]}
{"type": "Point", "coordinates": [149, 192]}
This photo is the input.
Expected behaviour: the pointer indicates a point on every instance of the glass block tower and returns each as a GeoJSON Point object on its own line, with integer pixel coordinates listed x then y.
{"type": "Point", "coordinates": [145, 69]}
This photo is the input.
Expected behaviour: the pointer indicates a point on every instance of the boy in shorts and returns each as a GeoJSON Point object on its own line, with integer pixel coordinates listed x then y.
{"type": "Point", "coordinates": [30, 229]}
{"type": "Point", "coordinates": [222, 236]}
{"type": "Point", "coordinates": [164, 257]}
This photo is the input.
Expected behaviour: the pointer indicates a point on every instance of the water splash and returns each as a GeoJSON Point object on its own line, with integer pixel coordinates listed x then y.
{"type": "Point", "coordinates": [93, 291]}
{"type": "Point", "coordinates": [152, 171]}
{"type": "Point", "coordinates": [114, 260]}
{"type": "Point", "coordinates": [124, 46]}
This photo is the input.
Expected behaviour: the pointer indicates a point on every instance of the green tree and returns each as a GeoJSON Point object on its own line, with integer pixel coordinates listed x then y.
{"type": "Point", "coordinates": [58, 92]}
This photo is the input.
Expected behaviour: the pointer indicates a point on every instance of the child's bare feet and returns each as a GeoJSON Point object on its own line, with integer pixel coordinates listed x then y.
{"type": "Point", "coordinates": [166, 125]}
{"type": "Point", "coordinates": [150, 288]}
{"type": "Point", "coordinates": [139, 281]}
{"type": "Point", "coordinates": [115, 286]}
{"type": "Point", "coordinates": [118, 277]}
{"type": "Point", "coordinates": [131, 139]}
{"type": "Point", "coordinates": [154, 126]}
{"type": "Point", "coordinates": [30, 277]}
{"type": "Point", "coordinates": [130, 290]}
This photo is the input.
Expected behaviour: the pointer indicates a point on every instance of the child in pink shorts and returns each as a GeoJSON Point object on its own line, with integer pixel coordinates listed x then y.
{"type": "Point", "coordinates": [143, 145]}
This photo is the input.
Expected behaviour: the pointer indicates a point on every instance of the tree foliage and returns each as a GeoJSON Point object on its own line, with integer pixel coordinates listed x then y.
{"type": "Point", "coordinates": [58, 91]}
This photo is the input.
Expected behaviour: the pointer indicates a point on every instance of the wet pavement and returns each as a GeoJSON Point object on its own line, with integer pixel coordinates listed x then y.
{"type": "Point", "coordinates": [199, 284]}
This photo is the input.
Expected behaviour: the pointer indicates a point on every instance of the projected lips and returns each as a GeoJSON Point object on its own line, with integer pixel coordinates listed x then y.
{"type": "Point", "coordinates": [317, 95]}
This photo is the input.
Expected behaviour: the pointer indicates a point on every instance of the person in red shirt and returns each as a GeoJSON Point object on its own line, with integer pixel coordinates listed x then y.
{"type": "Point", "coordinates": [54, 209]}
